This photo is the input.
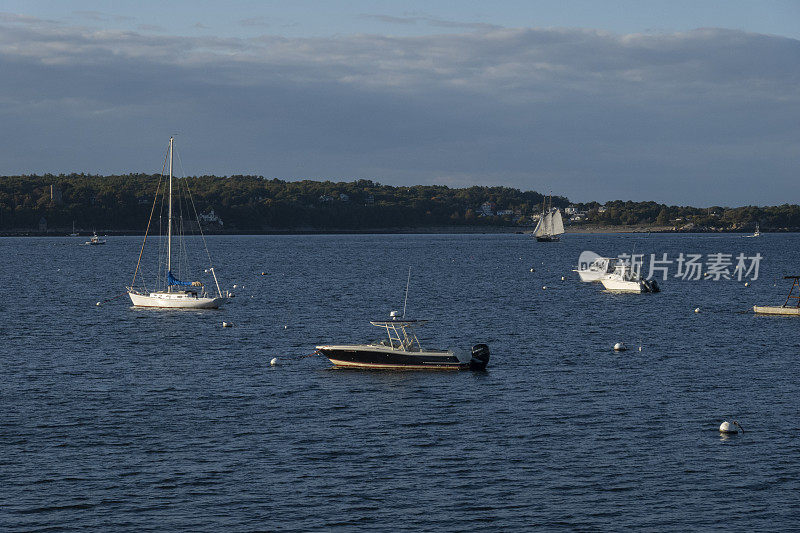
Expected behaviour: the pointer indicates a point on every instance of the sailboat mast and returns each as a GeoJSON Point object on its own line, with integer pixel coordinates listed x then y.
{"type": "Point", "coordinates": [169, 222]}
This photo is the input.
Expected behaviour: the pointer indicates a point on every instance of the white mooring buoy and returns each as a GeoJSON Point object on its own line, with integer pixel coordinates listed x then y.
{"type": "Point", "coordinates": [620, 347]}
{"type": "Point", "coordinates": [730, 428]}
{"type": "Point", "coordinates": [746, 283]}
{"type": "Point", "coordinates": [227, 324]}
{"type": "Point", "coordinates": [563, 278]}
{"type": "Point", "coordinates": [532, 270]}
{"type": "Point", "coordinates": [696, 309]}
{"type": "Point", "coordinates": [274, 361]}
{"type": "Point", "coordinates": [544, 287]}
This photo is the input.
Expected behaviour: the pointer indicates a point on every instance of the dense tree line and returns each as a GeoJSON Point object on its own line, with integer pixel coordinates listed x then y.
{"type": "Point", "coordinates": [256, 204]}
{"type": "Point", "coordinates": [717, 218]}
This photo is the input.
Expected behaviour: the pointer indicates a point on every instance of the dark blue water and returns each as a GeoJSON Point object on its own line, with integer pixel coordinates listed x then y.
{"type": "Point", "coordinates": [121, 419]}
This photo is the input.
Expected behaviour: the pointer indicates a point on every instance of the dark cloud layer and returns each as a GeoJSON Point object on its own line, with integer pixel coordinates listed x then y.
{"type": "Point", "coordinates": [699, 117]}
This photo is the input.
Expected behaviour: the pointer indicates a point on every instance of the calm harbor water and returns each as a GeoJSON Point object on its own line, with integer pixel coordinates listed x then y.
{"type": "Point", "coordinates": [116, 418]}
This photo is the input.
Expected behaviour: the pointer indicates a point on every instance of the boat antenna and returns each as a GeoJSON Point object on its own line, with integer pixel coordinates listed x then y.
{"type": "Point", "coordinates": [406, 299]}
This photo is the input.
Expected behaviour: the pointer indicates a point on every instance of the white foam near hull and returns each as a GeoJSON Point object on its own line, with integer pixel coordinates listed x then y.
{"type": "Point", "coordinates": [174, 300]}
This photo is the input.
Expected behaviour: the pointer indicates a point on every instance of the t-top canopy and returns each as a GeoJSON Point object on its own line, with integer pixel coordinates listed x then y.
{"type": "Point", "coordinates": [394, 323]}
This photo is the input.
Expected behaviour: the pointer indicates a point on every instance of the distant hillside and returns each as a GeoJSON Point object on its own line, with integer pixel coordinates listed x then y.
{"type": "Point", "coordinates": [255, 204]}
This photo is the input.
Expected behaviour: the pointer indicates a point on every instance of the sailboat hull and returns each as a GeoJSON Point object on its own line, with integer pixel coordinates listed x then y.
{"type": "Point", "coordinates": [547, 238]}
{"type": "Point", "coordinates": [174, 300]}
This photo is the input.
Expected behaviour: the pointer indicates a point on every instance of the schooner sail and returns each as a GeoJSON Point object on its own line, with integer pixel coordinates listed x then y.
{"type": "Point", "coordinates": [550, 224]}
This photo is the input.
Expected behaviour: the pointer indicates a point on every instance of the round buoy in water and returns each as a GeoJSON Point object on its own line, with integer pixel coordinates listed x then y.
{"type": "Point", "coordinates": [620, 347]}
{"type": "Point", "coordinates": [98, 304]}
{"type": "Point", "coordinates": [274, 361]}
{"type": "Point", "coordinates": [227, 324]}
{"type": "Point", "coordinates": [746, 283]}
{"type": "Point", "coordinates": [544, 287]}
{"type": "Point", "coordinates": [285, 327]}
{"type": "Point", "coordinates": [696, 309]}
{"type": "Point", "coordinates": [235, 286]}
{"type": "Point", "coordinates": [563, 278]}
{"type": "Point", "coordinates": [532, 270]}
{"type": "Point", "coordinates": [730, 427]}
{"type": "Point", "coordinates": [263, 273]}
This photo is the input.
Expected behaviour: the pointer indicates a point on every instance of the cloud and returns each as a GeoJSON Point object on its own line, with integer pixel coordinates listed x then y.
{"type": "Point", "coordinates": [585, 113]}
{"type": "Point", "coordinates": [99, 16]}
{"type": "Point", "coordinates": [258, 22]}
{"type": "Point", "coordinates": [412, 20]}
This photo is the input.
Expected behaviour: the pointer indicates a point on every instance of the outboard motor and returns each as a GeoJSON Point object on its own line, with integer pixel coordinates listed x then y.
{"type": "Point", "coordinates": [480, 357]}
{"type": "Point", "coordinates": [652, 285]}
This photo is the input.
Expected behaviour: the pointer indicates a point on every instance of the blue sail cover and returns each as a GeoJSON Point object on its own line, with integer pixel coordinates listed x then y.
{"type": "Point", "coordinates": [173, 281]}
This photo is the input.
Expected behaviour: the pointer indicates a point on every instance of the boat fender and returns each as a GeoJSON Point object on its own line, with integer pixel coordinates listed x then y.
{"type": "Point", "coordinates": [480, 357]}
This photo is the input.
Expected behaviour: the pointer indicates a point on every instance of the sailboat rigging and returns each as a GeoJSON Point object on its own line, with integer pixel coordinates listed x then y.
{"type": "Point", "coordinates": [171, 292]}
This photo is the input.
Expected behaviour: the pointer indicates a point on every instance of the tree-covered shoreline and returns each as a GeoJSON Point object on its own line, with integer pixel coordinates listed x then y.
{"type": "Point", "coordinates": [253, 204]}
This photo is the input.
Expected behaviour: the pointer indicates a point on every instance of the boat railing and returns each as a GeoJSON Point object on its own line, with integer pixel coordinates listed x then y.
{"type": "Point", "coordinates": [401, 335]}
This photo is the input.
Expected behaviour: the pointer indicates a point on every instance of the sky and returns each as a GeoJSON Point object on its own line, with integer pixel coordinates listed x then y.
{"type": "Point", "coordinates": [690, 103]}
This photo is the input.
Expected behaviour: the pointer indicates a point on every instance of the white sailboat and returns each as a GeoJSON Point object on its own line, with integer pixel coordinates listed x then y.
{"type": "Point", "coordinates": [550, 224]}
{"type": "Point", "coordinates": [174, 293]}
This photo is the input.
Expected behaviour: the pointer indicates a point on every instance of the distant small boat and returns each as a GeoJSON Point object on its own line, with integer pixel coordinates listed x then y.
{"type": "Point", "coordinates": [785, 309]}
{"type": "Point", "coordinates": [597, 269]}
{"type": "Point", "coordinates": [94, 241]}
{"type": "Point", "coordinates": [74, 233]}
{"type": "Point", "coordinates": [624, 279]}
{"type": "Point", "coordinates": [550, 225]}
{"type": "Point", "coordinates": [756, 233]}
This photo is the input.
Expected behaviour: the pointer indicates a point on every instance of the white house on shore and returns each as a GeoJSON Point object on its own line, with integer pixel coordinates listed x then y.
{"type": "Point", "coordinates": [210, 218]}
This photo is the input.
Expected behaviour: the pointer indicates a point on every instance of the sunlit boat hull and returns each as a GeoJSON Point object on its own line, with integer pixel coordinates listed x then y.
{"type": "Point", "coordinates": [174, 300]}
{"type": "Point", "coordinates": [360, 356]}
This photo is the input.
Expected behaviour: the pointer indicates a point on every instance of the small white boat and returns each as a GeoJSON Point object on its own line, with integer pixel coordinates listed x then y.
{"type": "Point", "coordinates": [624, 279]}
{"type": "Point", "coordinates": [786, 309]}
{"type": "Point", "coordinates": [173, 293]}
{"type": "Point", "coordinates": [94, 241]}
{"type": "Point", "coordinates": [74, 233]}
{"type": "Point", "coordinates": [756, 233]}
{"type": "Point", "coordinates": [597, 269]}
